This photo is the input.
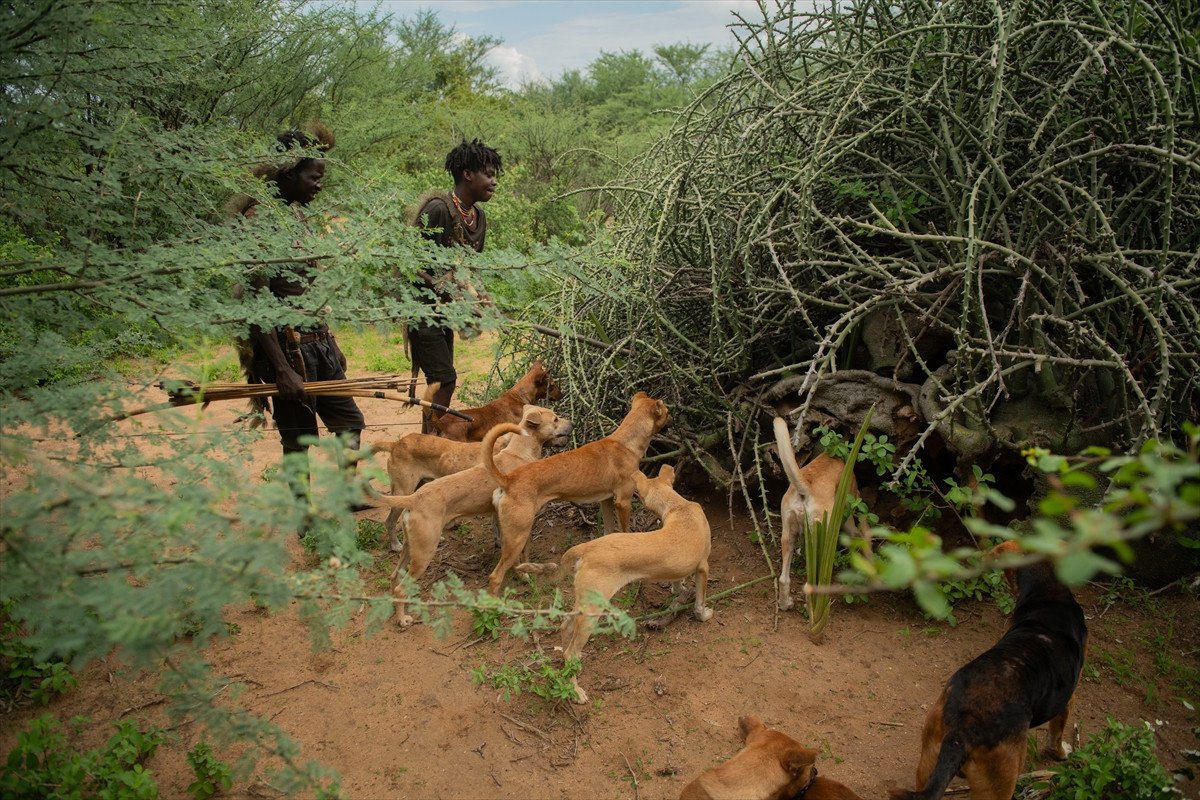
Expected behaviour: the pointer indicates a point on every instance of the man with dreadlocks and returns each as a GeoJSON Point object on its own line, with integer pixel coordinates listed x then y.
{"type": "Point", "coordinates": [453, 219]}
{"type": "Point", "coordinates": [288, 356]}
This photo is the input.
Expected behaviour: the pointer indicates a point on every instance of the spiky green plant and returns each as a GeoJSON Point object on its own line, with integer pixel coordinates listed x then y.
{"type": "Point", "coordinates": [821, 541]}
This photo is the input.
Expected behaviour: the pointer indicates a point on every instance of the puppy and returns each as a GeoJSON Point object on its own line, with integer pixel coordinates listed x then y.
{"type": "Point", "coordinates": [772, 766]}
{"type": "Point", "coordinates": [535, 385]}
{"type": "Point", "coordinates": [677, 550]}
{"type": "Point", "coordinates": [600, 471]}
{"type": "Point", "coordinates": [809, 497]}
{"type": "Point", "coordinates": [978, 726]}
{"type": "Point", "coordinates": [427, 511]}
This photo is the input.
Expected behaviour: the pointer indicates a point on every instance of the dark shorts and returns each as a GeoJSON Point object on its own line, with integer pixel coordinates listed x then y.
{"type": "Point", "coordinates": [433, 353]}
{"type": "Point", "coordinates": [341, 415]}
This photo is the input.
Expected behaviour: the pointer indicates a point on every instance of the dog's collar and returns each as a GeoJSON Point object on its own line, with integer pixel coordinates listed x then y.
{"type": "Point", "coordinates": [811, 779]}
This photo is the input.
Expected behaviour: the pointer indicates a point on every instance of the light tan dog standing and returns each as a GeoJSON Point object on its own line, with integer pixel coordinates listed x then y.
{"type": "Point", "coordinates": [424, 457]}
{"type": "Point", "coordinates": [772, 766]}
{"type": "Point", "coordinates": [674, 552]}
{"type": "Point", "coordinates": [426, 512]}
{"type": "Point", "coordinates": [600, 471]}
{"type": "Point", "coordinates": [535, 385]}
{"type": "Point", "coordinates": [809, 497]}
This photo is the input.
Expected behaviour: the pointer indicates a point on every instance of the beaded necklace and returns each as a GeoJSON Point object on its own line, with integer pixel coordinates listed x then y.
{"type": "Point", "coordinates": [468, 217]}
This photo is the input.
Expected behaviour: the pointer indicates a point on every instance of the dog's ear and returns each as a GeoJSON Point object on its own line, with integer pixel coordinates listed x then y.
{"type": "Point", "coordinates": [749, 724]}
{"type": "Point", "coordinates": [798, 760]}
{"type": "Point", "coordinates": [667, 473]}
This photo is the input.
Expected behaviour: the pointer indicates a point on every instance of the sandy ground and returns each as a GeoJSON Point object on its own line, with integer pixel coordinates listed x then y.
{"type": "Point", "coordinates": [398, 715]}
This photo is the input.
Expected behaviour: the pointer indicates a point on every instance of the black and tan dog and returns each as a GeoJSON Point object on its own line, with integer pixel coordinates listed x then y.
{"type": "Point", "coordinates": [979, 724]}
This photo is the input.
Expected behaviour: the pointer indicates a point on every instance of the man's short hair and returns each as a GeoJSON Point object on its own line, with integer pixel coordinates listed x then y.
{"type": "Point", "coordinates": [473, 155]}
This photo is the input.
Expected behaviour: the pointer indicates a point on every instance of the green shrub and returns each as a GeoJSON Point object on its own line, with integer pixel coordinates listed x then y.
{"type": "Point", "coordinates": [22, 675]}
{"type": "Point", "coordinates": [42, 764]}
{"type": "Point", "coordinates": [213, 775]}
{"type": "Point", "coordinates": [1117, 764]}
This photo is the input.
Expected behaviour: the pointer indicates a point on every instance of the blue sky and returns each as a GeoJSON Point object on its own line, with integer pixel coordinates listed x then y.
{"type": "Point", "coordinates": [544, 38]}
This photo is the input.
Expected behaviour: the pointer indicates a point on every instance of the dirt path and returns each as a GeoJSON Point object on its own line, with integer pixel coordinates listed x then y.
{"type": "Point", "coordinates": [398, 714]}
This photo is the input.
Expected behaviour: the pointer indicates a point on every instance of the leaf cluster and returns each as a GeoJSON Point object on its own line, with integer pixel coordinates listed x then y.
{"type": "Point", "coordinates": [44, 765]}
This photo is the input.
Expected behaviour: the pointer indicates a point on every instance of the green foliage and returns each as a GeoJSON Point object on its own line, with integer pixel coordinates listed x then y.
{"type": "Point", "coordinates": [988, 586]}
{"type": "Point", "coordinates": [1154, 490]}
{"type": "Point", "coordinates": [1118, 763]}
{"type": "Point", "coordinates": [43, 765]}
{"type": "Point", "coordinates": [821, 538]}
{"type": "Point", "coordinates": [213, 776]}
{"type": "Point", "coordinates": [537, 676]}
{"type": "Point", "coordinates": [22, 675]}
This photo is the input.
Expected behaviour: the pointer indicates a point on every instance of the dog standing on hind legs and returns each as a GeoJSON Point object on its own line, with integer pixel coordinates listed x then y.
{"type": "Point", "coordinates": [535, 385]}
{"type": "Point", "coordinates": [810, 495]}
{"type": "Point", "coordinates": [674, 552]}
{"type": "Point", "coordinates": [979, 724]}
{"type": "Point", "coordinates": [601, 471]}
{"type": "Point", "coordinates": [426, 512]}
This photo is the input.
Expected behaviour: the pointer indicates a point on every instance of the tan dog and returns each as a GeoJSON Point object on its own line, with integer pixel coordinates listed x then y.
{"type": "Point", "coordinates": [772, 766]}
{"type": "Point", "coordinates": [677, 550]}
{"type": "Point", "coordinates": [600, 471]}
{"type": "Point", "coordinates": [426, 512]}
{"type": "Point", "coordinates": [809, 497]}
{"type": "Point", "coordinates": [423, 457]}
{"type": "Point", "coordinates": [979, 725]}
{"type": "Point", "coordinates": [535, 385]}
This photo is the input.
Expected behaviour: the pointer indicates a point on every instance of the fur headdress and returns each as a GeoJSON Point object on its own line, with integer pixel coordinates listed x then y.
{"type": "Point", "coordinates": [312, 136]}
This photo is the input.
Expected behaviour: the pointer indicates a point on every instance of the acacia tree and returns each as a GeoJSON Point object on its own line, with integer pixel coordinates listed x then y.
{"type": "Point", "coordinates": [127, 128]}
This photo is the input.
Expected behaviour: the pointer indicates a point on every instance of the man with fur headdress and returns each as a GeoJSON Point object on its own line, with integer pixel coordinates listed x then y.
{"type": "Point", "coordinates": [288, 356]}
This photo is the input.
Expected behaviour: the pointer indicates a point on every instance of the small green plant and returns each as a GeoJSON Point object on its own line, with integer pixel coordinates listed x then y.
{"type": "Point", "coordinates": [987, 586]}
{"type": "Point", "coordinates": [539, 677]}
{"type": "Point", "coordinates": [486, 621]}
{"type": "Point", "coordinates": [43, 764]}
{"type": "Point", "coordinates": [821, 539]}
{"type": "Point", "coordinates": [1116, 764]}
{"type": "Point", "coordinates": [368, 533]}
{"type": "Point", "coordinates": [213, 775]}
{"type": "Point", "coordinates": [22, 676]}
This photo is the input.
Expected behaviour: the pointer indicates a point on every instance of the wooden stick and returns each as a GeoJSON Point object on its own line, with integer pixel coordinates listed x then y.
{"type": "Point", "coordinates": [269, 389]}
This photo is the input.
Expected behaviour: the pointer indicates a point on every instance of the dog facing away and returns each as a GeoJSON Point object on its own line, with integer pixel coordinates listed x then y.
{"type": "Point", "coordinates": [979, 724]}
{"type": "Point", "coordinates": [535, 385]}
{"type": "Point", "coordinates": [421, 457]}
{"type": "Point", "coordinates": [809, 497]}
{"type": "Point", "coordinates": [601, 471]}
{"type": "Point", "coordinates": [674, 552]}
{"type": "Point", "coordinates": [426, 512]}
{"type": "Point", "coordinates": [772, 766]}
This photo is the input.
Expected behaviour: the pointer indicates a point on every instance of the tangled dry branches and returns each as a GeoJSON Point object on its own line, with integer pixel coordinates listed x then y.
{"type": "Point", "coordinates": [992, 205]}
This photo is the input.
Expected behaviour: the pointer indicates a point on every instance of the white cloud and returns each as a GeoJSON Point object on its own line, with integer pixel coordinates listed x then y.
{"type": "Point", "coordinates": [516, 69]}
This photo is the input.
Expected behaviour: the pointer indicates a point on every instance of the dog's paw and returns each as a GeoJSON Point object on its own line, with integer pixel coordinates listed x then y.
{"type": "Point", "coordinates": [704, 614]}
{"type": "Point", "coordinates": [785, 602]}
{"type": "Point", "coordinates": [580, 698]}
{"type": "Point", "coordinates": [1059, 753]}
{"type": "Point", "coordinates": [405, 621]}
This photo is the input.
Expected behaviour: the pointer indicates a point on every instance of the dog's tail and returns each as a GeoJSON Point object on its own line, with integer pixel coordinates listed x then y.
{"type": "Point", "coordinates": [550, 568]}
{"type": "Point", "coordinates": [402, 502]}
{"type": "Point", "coordinates": [950, 759]}
{"type": "Point", "coordinates": [489, 444]}
{"type": "Point", "coordinates": [555, 571]}
{"type": "Point", "coordinates": [787, 456]}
